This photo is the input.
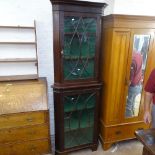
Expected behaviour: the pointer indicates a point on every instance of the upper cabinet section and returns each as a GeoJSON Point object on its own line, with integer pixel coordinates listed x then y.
{"type": "Point", "coordinates": [79, 54]}
{"type": "Point", "coordinates": [77, 29]}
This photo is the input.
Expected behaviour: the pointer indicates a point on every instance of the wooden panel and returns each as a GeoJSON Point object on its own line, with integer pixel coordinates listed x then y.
{"type": "Point", "coordinates": [38, 147]}
{"type": "Point", "coordinates": [105, 71]}
{"type": "Point", "coordinates": [115, 73]}
{"type": "Point", "coordinates": [23, 96]}
{"type": "Point", "coordinates": [22, 119]}
{"type": "Point", "coordinates": [24, 133]}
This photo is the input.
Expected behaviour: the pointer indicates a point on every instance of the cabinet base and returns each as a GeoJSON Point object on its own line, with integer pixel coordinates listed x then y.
{"type": "Point", "coordinates": [60, 153]}
{"type": "Point", "coordinates": [92, 147]}
{"type": "Point", "coordinates": [106, 146]}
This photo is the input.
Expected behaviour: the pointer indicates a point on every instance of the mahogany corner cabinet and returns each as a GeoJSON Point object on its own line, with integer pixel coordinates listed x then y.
{"type": "Point", "coordinates": [77, 35]}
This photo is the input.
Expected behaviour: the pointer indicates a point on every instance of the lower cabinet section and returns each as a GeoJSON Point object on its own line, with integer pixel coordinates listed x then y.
{"type": "Point", "coordinates": [36, 147]}
{"type": "Point", "coordinates": [79, 127]}
{"type": "Point", "coordinates": [76, 110]}
{"type": "Point", "coordinates": [118, 132]}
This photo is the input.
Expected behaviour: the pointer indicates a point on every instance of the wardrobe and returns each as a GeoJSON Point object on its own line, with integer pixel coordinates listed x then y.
{"type": "Point", "coordinates": [122, 35]}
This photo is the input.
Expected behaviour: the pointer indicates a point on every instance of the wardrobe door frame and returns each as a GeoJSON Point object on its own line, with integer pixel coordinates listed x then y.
{"type": "Point", "coordinates": [150, 48]}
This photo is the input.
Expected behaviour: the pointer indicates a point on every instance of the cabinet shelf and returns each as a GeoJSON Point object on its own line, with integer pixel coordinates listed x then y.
{"type": "Point", "coordinates": [73, 108]}
{"type": "Point", "coordinates": [18, 26]}
{"type": "Point", "coordinates": [19, 60]}
{"type": "Point", "coordinates": [77, 57]}
{"type": "Point", "coordinates": [17, 42]}
{"type": "Point", "coordinates": [80, 33]}
{"type": "Point", "coordinates": [80, 102]}
{"type": "Point", "coordinates": [79, 108]}
{"type": "Point", "coordinates": [18, 77]}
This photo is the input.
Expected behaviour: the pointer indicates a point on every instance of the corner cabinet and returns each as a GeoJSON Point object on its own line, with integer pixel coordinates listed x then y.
{"type": "Point", "coordinates": [124, 39]}
{"type": "Point", "coordinates": [77, 35]}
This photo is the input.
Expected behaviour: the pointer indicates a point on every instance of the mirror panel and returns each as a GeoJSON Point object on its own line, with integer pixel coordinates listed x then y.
{"type": "Point", "coordinates": [137, 70]}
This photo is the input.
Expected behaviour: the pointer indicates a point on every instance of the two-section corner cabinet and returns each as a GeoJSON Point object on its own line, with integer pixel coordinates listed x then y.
{"type": "Point", "coordinates": [128, 58]}
{"type": "Point", "coordinates": [77, 35]}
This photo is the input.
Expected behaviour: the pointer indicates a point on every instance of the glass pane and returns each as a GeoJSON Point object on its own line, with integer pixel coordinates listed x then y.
{"type": "Point", "coordinates": [79, 48]}
{"type": "Point", "coordinates": [79, 119]}
{"type": "Point", "coordinates": [79, 102]}
{"type": "Point", "coordinates": [139, 58]}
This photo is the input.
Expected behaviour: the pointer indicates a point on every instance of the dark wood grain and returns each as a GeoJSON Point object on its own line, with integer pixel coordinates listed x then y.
{"type": "Point", "coordinates": [61, 87]}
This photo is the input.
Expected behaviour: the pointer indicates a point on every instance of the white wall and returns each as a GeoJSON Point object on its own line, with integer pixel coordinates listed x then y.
{"type": "Point", "coordinates": [134, 7]}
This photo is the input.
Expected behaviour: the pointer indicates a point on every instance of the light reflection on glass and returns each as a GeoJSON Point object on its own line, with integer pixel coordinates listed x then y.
{"type": "Point", "coordinates": [137, 69]}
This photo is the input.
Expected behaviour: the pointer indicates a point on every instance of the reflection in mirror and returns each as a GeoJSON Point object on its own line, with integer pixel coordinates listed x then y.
{"type": "Point", "coordinates": [137, 69]}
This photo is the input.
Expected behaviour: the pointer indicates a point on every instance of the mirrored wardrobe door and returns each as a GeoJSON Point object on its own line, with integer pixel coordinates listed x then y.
{"type": "Point", "coordinates": [137, 67]}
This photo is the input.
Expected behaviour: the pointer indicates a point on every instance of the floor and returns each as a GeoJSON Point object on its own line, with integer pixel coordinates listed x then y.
{"type": "Point", "coordinates": [130, 147]}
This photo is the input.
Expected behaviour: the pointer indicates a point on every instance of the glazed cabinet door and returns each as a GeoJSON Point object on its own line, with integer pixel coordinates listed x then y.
{"type": "Point", "coordinates": [79, 50]}
{"type": "Point", "coordinates": [78, 118]}
{"type": "Point", "coordinates": [140, 53]}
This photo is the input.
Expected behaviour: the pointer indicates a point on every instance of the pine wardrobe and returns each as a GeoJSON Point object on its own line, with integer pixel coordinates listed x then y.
{"type": "Point", "coordinates": [77, 36]}
{"type": "Point", "coordinates": [123, 37]}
